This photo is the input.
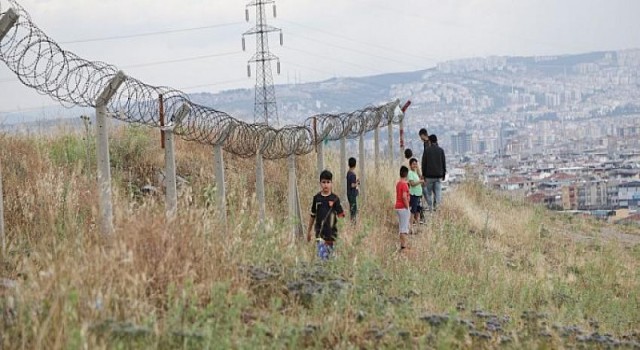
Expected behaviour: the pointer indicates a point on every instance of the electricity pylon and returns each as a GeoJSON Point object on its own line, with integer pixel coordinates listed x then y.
{"type": "Point", "coordinates": [265, 108]}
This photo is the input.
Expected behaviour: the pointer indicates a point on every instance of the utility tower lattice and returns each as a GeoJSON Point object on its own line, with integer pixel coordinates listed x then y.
{"type": "Point", "coordinates": [265, 108]}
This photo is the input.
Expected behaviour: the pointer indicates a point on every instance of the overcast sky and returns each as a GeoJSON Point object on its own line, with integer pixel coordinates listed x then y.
{"type": "Point", "coordinates": [322, 38]}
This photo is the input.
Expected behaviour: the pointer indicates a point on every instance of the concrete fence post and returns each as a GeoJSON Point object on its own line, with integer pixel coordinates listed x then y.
{"type": "Point", "coordinates": [294, 209]}
{"type": "Point", "coordinates": [171, 194]}
{"type": "Point", "coordinates": [343, 167]}
{"type": "Point", "coordinates": [3, 241]}
{"type": "Point", "coordinates": [260, 187]}
{"type": "Point", "coordinates": [376, 148]}
{"type": "Point", "coordinates": [221, 190]}
{"type": "Point", "coordinates": [104, 165]}
{"type": "Point", "coordinates": [362, 176]}
{"type": "Point", "coordinates": [7, 22]}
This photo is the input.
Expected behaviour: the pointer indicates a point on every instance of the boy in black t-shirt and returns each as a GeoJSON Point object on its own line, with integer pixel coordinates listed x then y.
{"type": "Point", "coordinates": [352, 189]}
{"type": "Point", "coordinates": [325, 210]}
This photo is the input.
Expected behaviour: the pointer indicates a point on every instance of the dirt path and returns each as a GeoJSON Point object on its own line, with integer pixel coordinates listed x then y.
{"type": "Point", "coordinates": [609, 234]}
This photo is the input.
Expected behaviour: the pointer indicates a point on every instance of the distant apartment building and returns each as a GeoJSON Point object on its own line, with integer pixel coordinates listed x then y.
{"type": "Point", "coordinates": [588, 195]}
{"type": "Point", "coordinates": [461, 143]}
{"type": "Point", "coordinates": [629, 195]}
{"type": "Point", "coordinates": [481, 146]}
{"type": "Point", "coordinates": [592, 195]}
{"type": "Point", "coordinates": [570, 197]}
{"type": "Point", "coordinates": [515, 183]}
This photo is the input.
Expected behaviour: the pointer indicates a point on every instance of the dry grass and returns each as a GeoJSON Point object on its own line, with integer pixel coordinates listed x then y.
{"type": "Point", "coordinates": [193, 284]}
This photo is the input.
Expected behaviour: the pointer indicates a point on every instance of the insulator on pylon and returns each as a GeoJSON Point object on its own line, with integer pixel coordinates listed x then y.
{"type": "Point", "coordinates": [278, 67]}
{"type": "Point", "coordinates": [246, 14]}
{"type": "Point", "coordinates": [274, 11]}
{"type": "Point", "coordinates": [249, 71]}
{"type": "Point", "coordinates": [281, 39]}
{"type": "Point", "coordinates": [243, 45]}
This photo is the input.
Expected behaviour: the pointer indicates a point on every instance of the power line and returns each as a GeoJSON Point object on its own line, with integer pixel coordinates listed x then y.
{"type": "Point", "coordinates": [340, 36]}
{"type": "Point", "coordinates": [30, 109]}
{"type": "Point", "coordinates": [148, 64]}
{"type": "Point", "coordinates": [212, 84]}
{"type": "Point", "coordinates": [357, 51]}
{"type": "Point", "coordinates": [161, 32]}
{"type": "Point", "coordinates": [331, 59]}
{"type": "Point", "coordinates": [307, 67]}
{"type": "Point", "coordinates": [193, 58]}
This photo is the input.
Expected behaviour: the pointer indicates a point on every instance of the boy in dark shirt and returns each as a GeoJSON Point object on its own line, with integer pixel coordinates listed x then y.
{"type": "Point", "coordinates": [325, 210]}
{"type": "Point", "coordinates": [352, 189]}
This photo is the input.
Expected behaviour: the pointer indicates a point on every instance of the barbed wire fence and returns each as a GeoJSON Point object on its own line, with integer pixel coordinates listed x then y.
{"type": "Point", "coordinates": [41, 64]}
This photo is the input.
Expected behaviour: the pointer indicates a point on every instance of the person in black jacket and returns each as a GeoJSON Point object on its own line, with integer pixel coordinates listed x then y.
{"type": "Point", "coordinates": [434, 169]}
{"type": "Point", "coordinates": [424, 137]}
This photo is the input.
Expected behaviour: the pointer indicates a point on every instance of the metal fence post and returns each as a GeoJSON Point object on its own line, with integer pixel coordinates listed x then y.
{"type": "Point", "coordinates": [390, 134]}
{"type": "Point", "coordinates": [320, 157]}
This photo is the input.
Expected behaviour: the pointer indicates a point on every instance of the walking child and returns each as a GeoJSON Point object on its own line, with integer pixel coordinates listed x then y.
{"type": "Point", "coordinates": [325, 211]}
{"type": "Point", "coordinates": [352, 189]}
{"type": "Point", "coordinates": [402, 206]}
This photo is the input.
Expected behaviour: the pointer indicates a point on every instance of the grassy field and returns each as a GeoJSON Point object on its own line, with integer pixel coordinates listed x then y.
{"type": "Point", "coordinates": [484, 272]}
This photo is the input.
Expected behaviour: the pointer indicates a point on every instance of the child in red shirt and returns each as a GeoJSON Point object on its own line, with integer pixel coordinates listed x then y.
{"type": "Point", "coordinates": [402, 206]}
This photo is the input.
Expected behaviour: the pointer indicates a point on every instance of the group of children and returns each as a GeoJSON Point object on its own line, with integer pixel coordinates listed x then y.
{"type": "Point", "coordinates": [326, 207]}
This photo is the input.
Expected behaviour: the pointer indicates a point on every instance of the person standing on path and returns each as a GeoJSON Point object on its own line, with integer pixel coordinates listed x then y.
{"type": "Point", "coordinates": [424, 137]}
{"type": "Point", "coordinates": [402, 206]}
{"type": "Point", "coordinates": [434, 169]}
{"type": "Point", "coordinates": [352, 189]}
{"type": "Point", "coordinates": [415, 191]}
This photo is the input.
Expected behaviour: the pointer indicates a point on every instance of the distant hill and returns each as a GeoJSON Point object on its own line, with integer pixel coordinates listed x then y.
{"type": "Point", "coordinates": [473, 86]}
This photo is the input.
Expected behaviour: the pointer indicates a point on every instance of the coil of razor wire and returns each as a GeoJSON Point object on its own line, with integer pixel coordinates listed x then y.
{"type": "Point", "coordinates": [352, 125]}
{"type": "Point", "coordinates": [40, 63]}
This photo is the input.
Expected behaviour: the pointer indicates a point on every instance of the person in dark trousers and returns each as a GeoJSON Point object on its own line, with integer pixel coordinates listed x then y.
{"type": "Point", "coordinates": [325, 211]}
{"type": "Point", "coordinates": [352, 189]}
{"type": "Point", "coordinates": [424, 137]}
{"type": "Point", "coordinates": [434, 169]}
{"type": "Point", "coordinates": [415, 190]}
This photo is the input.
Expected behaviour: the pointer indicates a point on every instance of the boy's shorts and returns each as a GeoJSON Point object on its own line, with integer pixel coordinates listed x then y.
{"type": "Point", "coordinates": [403, 220]}
{"type": "Point", "coordinates": [324, 248]}
{"type": "Point", "coordinates": [414, 204]}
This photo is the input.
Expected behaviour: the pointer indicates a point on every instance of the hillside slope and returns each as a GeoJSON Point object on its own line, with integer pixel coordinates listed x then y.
{"type": "Point", "coordinates": [485, 271]}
